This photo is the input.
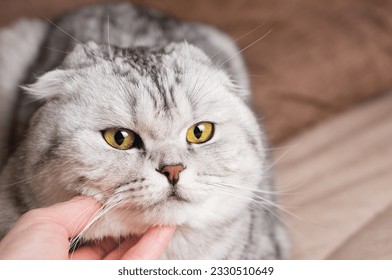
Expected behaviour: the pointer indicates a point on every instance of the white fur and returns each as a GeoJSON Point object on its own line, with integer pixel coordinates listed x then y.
{"type": "Point", "coordinates": [93, 99]}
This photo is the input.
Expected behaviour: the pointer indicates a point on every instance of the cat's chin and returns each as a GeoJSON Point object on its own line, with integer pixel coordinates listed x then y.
{"type": "Point", "coordinates": [119, 223]}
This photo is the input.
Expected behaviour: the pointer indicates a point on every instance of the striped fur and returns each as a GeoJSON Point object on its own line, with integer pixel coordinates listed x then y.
{"type": "Point", "coordinates": [125, 67]}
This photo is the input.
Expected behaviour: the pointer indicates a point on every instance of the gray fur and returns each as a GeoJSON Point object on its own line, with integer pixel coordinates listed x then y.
{"type": "Point", "coordinates": [134, 68]}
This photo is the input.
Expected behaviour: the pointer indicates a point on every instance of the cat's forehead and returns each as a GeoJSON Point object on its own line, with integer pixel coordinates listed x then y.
{"type": "Point", "coordinates": [167, 78]}
{"type": "Point", "coordinates": [159, 71]}
{"type": "Point", "coordinates": [160, 92]}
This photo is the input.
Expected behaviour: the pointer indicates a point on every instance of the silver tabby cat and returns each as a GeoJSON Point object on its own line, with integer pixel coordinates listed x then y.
{"type": "Point", "coordinates": [147, 114]}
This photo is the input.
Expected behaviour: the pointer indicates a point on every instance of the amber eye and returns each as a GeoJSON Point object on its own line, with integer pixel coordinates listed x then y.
{"type": "Point", "coordinates": [121, 139]}
{"type": "Point", "coordinates": [200, 133]}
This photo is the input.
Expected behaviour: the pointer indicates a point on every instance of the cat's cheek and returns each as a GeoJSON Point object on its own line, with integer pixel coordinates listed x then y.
{"type": "Point", "coordinates": [189, 187]}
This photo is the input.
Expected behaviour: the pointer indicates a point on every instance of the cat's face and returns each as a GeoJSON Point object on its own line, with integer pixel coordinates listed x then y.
{"type": "Point", "coordinates": [121, 128]}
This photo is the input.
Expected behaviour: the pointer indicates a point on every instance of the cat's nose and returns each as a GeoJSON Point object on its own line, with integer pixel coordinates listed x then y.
{"type": "Point", "coordinates": [172, 172]}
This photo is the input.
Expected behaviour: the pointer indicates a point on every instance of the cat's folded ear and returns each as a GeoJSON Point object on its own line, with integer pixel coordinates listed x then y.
{"type": "Point", "coordinates": [237, 79]}
{"type": "Point", "coordinates": [49, 85]}
{"type": "Point", "coordinates": [55, 82]}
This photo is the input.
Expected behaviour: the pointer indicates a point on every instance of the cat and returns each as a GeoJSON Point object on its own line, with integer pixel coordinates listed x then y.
{"type": "Point", "coordinates": [150, 116]}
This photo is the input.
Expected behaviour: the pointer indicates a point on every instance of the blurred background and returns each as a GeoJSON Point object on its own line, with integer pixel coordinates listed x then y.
{"type": "Point", "coordinates": [321, 79]}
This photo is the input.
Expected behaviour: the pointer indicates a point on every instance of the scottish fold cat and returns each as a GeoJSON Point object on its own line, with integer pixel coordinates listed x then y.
{"type": "Point", "coordinates": [147, 114]}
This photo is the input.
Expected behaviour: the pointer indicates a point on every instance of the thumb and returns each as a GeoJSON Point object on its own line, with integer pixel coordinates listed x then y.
{"type": "Point", "coordinates": [152, 245]}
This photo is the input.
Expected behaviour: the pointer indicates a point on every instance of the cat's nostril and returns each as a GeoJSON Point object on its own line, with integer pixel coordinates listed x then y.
{"type": "Point", "coordinates": [172, 172]}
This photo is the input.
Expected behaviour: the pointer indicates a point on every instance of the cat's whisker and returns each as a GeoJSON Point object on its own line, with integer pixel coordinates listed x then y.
{"type": "Point", "coordinates": [98, 215]}
{"type": "Point", "coordinates": [20, 181]}
{"type": "Point", "coordinates": [277, 148]}
{"type": "Point", "coordinates": [245, 48]}
{"type": "Point", "coordinates": [257, 76]}
{"type": "Point", "coordinates": [273, 192]}
{"type": "Point", "coordinates": [263, 206]}
{"type": "Point", "coordinates": [291, 185]}
{"type": "Point", "coordinates": [67, 33]}
{"type": "Point", "coordinates": [254, 202]}
{"type": "Point", "coordinates": [280, 158]}
{"type": "Point", "coordinates": [246, 196]}
{"type": "Point", "coordinates": [74, 241]}
{"type": "Point", "coordinates": [281, 208]}
{"type": "Point", "coordinates": [258, 196]}
{"type": "Point", "coordinates": [77, 220]}
{"type": "Point", "coordinates": [280, 219]}
{"type": "Point", "coordinates": [56, 50]}
{"type": "Point", "coordinates": [259, 204]}
{"type": "Point", "coordinates": [194, 92]}
{"type": "Point", "coordinates": [108, 37]}
{"type": "Point", "coordinates": [277, 190]}
{"type": "Point", "coordinates": [239, 38]}
{"type": "Point", "coordinates": [207, 75]}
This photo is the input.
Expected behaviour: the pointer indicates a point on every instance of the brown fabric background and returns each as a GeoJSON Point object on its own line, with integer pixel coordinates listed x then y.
{"type": "Point", "coordinates": [320, 57]}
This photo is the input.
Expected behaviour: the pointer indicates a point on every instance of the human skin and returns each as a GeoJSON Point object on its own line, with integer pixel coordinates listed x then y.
{"type": "Point", "coordinates": [44, 234]}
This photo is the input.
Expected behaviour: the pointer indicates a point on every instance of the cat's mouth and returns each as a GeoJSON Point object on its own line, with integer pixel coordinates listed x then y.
{"type": "Point", "coordinates": [174, 195]}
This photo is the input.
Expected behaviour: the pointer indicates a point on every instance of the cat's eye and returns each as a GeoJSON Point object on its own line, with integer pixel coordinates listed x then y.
{"type": "Point", "coordinates": [122, 139]}
{"type": "Point", "coordinates": [200, 133]}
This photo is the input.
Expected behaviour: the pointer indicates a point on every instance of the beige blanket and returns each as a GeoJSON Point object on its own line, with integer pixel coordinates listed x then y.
{"type": "Point", "coordinates": [336, 184]}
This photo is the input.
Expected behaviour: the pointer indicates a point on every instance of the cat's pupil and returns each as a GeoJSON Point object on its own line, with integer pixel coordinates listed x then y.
{"type": "Point", "coordinates": [119, 137]}
{"type": "Point", "coordinates": [198, 131]}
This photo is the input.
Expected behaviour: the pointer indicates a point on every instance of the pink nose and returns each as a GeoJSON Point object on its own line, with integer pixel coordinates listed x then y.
{"type": "Point", "coordinates": [172, 172]}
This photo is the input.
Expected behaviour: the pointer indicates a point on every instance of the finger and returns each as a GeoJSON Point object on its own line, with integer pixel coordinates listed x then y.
{"type": "Point", "coordinates": [43, 233]}
{"type": "Point", "coordinates": [73, 215]}
{"type": "Point", "coordinates": [151, 245]}
{"type": "Point", "coordinates": [122, 248]}
{"type": "Point", "coordinates": [95, 250]}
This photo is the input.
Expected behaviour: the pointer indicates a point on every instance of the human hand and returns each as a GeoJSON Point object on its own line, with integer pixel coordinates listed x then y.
{"type": "Point", "coordinates": [44, 234]}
